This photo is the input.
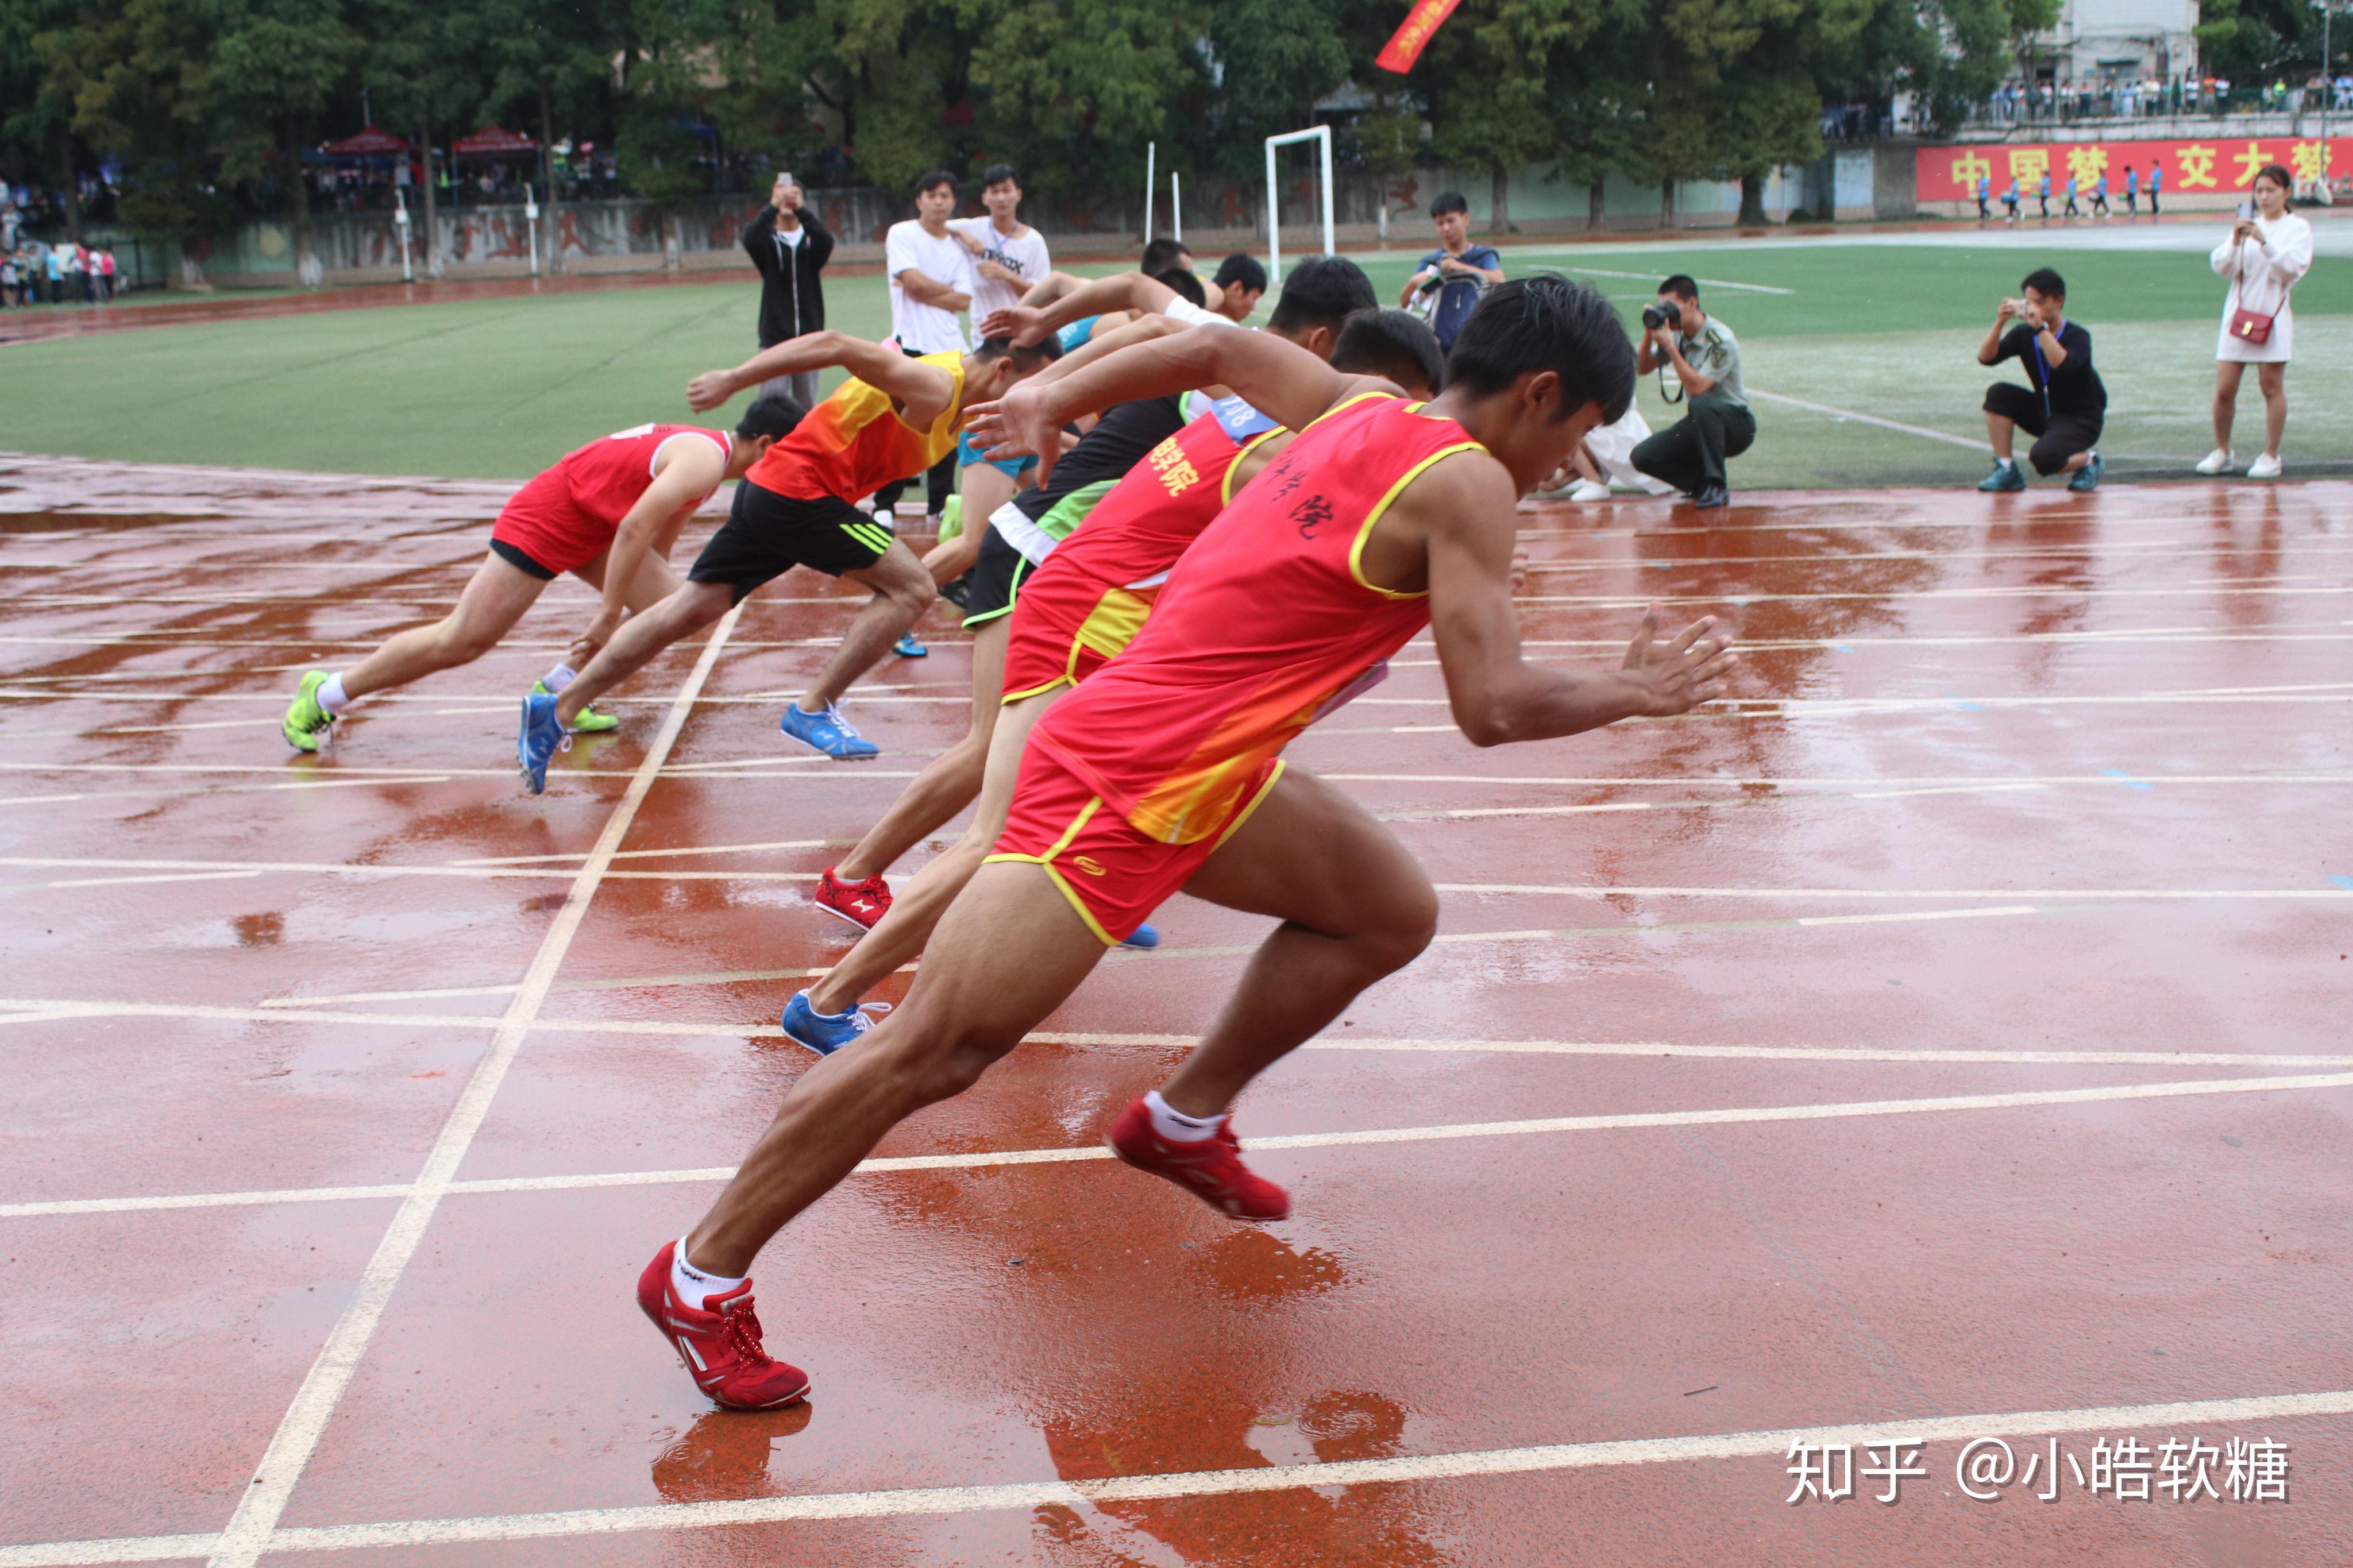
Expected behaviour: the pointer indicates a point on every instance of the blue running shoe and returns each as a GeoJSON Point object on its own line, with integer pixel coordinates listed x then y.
{"type": "Point", "coordinates": [826, 1033]}
{"type": "Point", "coordinates": [827, 732]}
{"type": "Point", "coordinates": [1145, 937]}
{"type": "Point", "coordinates": [2088, 478]}
{"type": "Point", "coordinates": [541, 738]}
{"type": "Point", "coordinates": [2004, 479]}
{"type": "Point", "coordinates": [908, 647]}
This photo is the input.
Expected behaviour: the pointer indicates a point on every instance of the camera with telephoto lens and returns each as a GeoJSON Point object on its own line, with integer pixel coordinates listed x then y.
{"type": "Point", "coordinates": [1657, 316]}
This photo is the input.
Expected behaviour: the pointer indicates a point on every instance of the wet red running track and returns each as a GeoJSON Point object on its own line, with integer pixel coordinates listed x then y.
{"type": "Point", "coordinates": [1945, 1039]}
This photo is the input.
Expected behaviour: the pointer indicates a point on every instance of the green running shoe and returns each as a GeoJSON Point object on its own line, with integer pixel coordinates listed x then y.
{"type": "Point", "coordinates": [306, 723]}
{"type": "Point", "coordinates": [589, 722]}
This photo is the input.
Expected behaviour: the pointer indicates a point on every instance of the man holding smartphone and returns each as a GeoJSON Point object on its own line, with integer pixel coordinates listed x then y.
{"type": "Point", "coordinates": [2066, 404]}
{"type": "Point", "coordinates": [790, 246]}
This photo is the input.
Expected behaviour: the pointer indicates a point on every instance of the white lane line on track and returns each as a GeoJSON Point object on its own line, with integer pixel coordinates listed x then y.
{"type": "Point", "coordinates": [1406, 1469]}
{"type": "Point", "coordinates": [991, 1159]}
{"type": "Point", "coordinates": [1977, 444]}
{"type": "Point", "coordinates": [262, 1504]}
{"type": "Point", "coordinates": [222, 789]}
{"type": "Point", "coordinates": [1915, 915]}
{"type": "Point", "coordinates": [2071, 894]}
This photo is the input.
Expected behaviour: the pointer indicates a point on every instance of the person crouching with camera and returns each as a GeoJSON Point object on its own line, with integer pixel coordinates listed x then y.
{"type": "Point", "coordinates": [1689, 454]}
{"type": "Point", "coordinates": [2064, 406]}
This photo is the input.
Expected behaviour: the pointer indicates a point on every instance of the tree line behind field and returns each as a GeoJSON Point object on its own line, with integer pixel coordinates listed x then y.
{"type": "Point", "coordinates": [200, 111]}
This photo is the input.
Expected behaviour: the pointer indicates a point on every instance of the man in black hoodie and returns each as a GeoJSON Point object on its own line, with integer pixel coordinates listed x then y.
{"type": "Point", "coordinates": [790, 246]}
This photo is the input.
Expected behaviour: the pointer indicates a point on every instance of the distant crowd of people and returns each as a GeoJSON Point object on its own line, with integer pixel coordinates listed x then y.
{"type": "Point", "coordinates": [62, 273]}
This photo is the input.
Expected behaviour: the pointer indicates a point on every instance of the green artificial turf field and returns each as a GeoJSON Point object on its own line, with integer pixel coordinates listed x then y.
{"type": "Point", "coordinates": [498, 388]}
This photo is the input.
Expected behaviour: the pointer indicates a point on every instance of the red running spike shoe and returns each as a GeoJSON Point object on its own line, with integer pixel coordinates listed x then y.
{"type": "Point", "coordinates": [1212, 1168]}
{"type": "Point", "coordinates": [860, 904]}
{"type": "Point", "coordinates": [720, 1343]}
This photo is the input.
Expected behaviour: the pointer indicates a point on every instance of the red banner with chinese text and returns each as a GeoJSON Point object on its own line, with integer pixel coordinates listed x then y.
{"type": "Point", "coordinates": [2205, 165]}
{"type": "Point", "coordinates": [1413, 34]}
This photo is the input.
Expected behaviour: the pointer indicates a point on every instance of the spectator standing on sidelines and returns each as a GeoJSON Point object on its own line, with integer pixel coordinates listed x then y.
{"type": "Point", "coordinates": [7, 277]}
{"type": "Point", "coordinates": [2132, 192]}
{"type": "Point", "coordinates": [931, 279]}
{"type": "Point", "coordinates": [106, 275]}
{"type": "Point", "coordinates": [2263, 257]}
{"type": "Point", "coordinates": [2010, 200]}
{"type": "Point", "coordinates": [55, 263]}
{"type": "Point", "coordinates": [1007, 255]}
{"type": "Point", "coordinates": [790, 246]}
{"type": "Point", "coordinates": [2100, 198]}
{"type": "Point", "coordinates": [2071, 210]}
{"type": "Point", "coordinates": [1985, 191]}
{"type": "Point", "coordinates": [2156, 179]}
{"type": "Point", "coordinates": [2042, 195]}
{"type": "Point", "coordinates": [1450, 280]}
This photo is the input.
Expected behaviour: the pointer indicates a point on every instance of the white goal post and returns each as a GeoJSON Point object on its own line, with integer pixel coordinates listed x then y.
{"type": "Point", "coordinates": [1319, 133]}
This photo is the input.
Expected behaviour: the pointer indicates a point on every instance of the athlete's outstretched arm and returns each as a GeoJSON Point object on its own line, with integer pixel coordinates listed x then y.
{"type": "Point", "coordinates": [691, 469]}
{"type": "Point", "coordinates": [1463, 509]}
{"type": "Point", "coordinates": [924, 390]}
{"type": "Point", "coordinates": [1141, 331]}
{"type": "Point", "coordinates": [1280, 378]}
{"type": "Point", "coordinates": [1120, 291]}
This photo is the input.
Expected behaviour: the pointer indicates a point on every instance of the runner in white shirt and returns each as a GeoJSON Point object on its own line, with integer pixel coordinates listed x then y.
{"type": "Point", "coordinates": [930, 273]}
{"type": "Point", "coordinates": [1009, 256]}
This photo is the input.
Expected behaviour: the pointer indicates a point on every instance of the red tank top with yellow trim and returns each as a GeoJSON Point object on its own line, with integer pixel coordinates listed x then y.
{"type": "Point", "coordinates": [1151, 516]}
{"type": "Point", "coordinates": [1266, 619]}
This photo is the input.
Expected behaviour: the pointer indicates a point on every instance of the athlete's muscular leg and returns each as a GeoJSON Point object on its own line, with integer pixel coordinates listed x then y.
{"type": "Point", "coordinates": [655, 581]}
{"type": "Point", "coordinates": [1354, 907]}
{"type": "Point", "coordinates": [900, 934]}
{"type": "Point", "coordinates": [494, 599]}
{"type": "Point", "coordinates": [902, 591]}
{"type": "Point", "coordinates": [645, 633]}
{"type": "Point", "coordinates": [949, 781]}
{"type": "Point", "coordinates": [1009, 953]}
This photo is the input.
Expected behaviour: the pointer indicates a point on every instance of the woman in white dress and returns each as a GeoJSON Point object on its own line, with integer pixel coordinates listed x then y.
{"type": "Point", "coordinates": [2262, 259]}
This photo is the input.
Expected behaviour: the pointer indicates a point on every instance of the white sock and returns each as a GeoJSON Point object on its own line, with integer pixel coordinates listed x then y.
{"type": "Point", "coordinates": [331, 695]}
{"type": "Point", "coordinates": [559, 678]}
{"type": "Point", "coordinates": [694, 1286]}
{"type": "Point", "coordinates": [1177, 1126]}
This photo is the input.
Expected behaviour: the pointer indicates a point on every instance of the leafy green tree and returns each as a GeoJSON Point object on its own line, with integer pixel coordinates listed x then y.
{"type": "Point", "coordinates": [272, 67]}
{"type": "Point", "coordinates": [1488, 78]}
{"type": "Point", "coordinates": [546, 56]}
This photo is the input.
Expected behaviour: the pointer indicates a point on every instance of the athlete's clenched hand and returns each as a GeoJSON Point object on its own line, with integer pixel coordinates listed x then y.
{"type": "Point", "coordinates": [1678, 675]}
{"type": "Point", "coordinates": [1017, 426]}
{"type": "Point", "coordinates": [710, 389]}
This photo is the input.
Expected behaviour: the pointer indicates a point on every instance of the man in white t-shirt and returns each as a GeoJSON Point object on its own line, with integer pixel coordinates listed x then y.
{"type": "Point", "coordinates": [1007, 255]}
{"type": "Point", "coordinates": [930, 273]}
{"type": "Point", "coordinates": [931, 280]}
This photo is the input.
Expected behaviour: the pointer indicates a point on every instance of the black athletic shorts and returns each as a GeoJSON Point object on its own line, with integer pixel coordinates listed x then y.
{"type": "Point", "coordinates": [2060, 435]}
{"type": "Point", "coordinates": [516, 556]}
{"type": "Point", "coordinates": [766, 535]}
{"type": "Point", "coordinates": [995, 580]}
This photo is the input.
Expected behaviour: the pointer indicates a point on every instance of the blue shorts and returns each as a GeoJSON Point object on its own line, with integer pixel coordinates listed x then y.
{"type": "Point", "coordinates": [1012, 468]}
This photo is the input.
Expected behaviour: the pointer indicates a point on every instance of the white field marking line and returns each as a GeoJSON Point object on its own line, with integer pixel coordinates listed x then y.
{"type": "Point", "coordinates": [2084, 894]}
{"type": "Point", "coordinates": [1915, 915]}
{"type": "Point", "coordinates": [662, 854]}
{"type": "Point", "coordinates": [2032, 590]}
{"type": "Point", "coordinates": [637, 983]}
{"type": "Point", "coordinates": [370, 773]}
{"type": "Point", "coordinates": [486, 701]}
{"type": "Point", "coordinates": [512, 646]}
{"type": "Point", "coordinates": [1978, 444]}
{"type": "Point", "coordinates": [936, 1501]}
{"type": "Point", "coordinates": [1696, 781]}
{"type": "Point", "coordinates": [991, 1159]}
{"type": "Point", "coordinates": [1711, 282]}
{"type": "Point", "coordinates": [219, 789]}
{"type": "Point", "coordinates": [2129, 551]}
{"type": "Point", "coordinates": [346, 868]}
{"type": "Point", "coordinates": [263, 1502]}
{"type": "Point", "coordinates": [2292, 631]}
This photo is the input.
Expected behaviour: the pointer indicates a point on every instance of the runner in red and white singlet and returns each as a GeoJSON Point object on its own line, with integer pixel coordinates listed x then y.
{"type": "Point", "coordinates": [1390, 515]}
{"type": "Point", "coordinates": [608, 513]}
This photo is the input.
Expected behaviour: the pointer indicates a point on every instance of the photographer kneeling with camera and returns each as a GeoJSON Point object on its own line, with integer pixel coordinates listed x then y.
{"type": "Point", "coordinates": [2066, 406]}
{"type": "Point", "coordinates": [1689, 453]}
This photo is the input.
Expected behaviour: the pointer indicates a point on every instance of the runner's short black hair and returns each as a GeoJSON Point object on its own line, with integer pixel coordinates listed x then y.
{"type": "Point", "coordinates": [1322, 292]}
{"type": "Point", "coordinates": [1548, 322]}
{"type": "Point", "coordinates": [1393, 344]}
{"type": "Point", "coordinates": [1187, 287]}
{"type": "Point", "coordinates": [2045, 280]}
{"type": "Point", "coordinates": [1449, 202]}
{"type": "Point", "coordinates": [1036, 356]}
{"type": "Point", "coordinates": [1681, 286]}
{"type": "Point", "coordinates": [771, 414]}
{"type": "Point", "coordinates": [998, 175]}
{"type": "Point", "coordinates": [1162, 254]}
{"type": "Point", "coordinates": [935, 177]}
{"type": "Point", "coordinates": [1242, 268]}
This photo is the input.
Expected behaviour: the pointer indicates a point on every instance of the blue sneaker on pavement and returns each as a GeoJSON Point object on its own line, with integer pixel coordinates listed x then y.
{"type": "Point", "coordinates": [541, 738]}
{"type": "Point", "coordinates": [2088, 478]}
{"type": "Point", "coordinates": [826, 1033]}
{"type": "Point", "coordinates": [827, 732]}
{"type": "Point", "coordinates": [1145, 937]}
{"type": "Point", "coordinates": [908, 647]}
{"type": "Point", "coordinates": [2004, 479]}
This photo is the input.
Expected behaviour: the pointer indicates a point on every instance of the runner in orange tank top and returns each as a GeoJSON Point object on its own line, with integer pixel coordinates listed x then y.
{"type": "Point", "coordinates": [1344, 550]}
{"type": "Point", "coordinates": [1073, 614]}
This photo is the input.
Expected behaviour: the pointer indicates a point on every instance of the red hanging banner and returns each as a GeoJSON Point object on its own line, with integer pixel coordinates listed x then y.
{"type": "Point", "coordinates": [1413, 34]}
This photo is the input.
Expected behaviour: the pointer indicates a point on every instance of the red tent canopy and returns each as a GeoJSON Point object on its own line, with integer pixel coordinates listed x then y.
{"type": "Point", "coordinates": [369, 144]}
{"type": "Point", "coordinates": [492, 140]}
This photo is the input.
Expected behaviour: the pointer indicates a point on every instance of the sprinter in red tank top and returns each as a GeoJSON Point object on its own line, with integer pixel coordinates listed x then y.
{"type": "Point", "coordinates": [1161, 771]}
{"type": "Point", "coordinates": [608, 513]}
